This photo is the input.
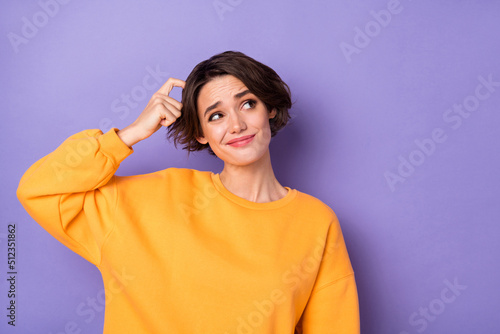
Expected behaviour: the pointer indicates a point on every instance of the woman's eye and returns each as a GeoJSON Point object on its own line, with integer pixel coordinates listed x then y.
{"type": "Point", "coordinates": [214, 117]}
{"type": "Point", "coordinates": [249, 104]}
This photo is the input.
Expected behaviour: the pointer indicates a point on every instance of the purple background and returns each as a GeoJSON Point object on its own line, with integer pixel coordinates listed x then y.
{"type": "Point", "coordinates": [354, 118]}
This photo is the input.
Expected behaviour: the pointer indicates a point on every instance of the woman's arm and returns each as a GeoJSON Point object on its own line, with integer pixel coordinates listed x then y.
{"type": "Point", "coordinates": [71, 192]}
{"type": "Point", "coordinates": [333, 304]}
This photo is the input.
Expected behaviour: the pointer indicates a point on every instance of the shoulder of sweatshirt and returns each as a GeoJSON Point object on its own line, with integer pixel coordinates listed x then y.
{"type": "Point", "coordinates": [316, 206]}
{"type": "Point", "coordinates": [181, 179]}
{"type": "Point", "coordinates": [183, 174]}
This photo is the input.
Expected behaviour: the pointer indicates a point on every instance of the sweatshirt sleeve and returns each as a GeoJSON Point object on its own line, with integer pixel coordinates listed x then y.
{"type": "Point", "coordinates": [333, 304]}
{"type": "Point", "coordinates": [71, 192]}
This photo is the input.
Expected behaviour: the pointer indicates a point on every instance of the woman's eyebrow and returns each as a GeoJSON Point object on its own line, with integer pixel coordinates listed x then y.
{"type": "Point", "coordinates": [243, 93]}
{"type": "Point", "coordinates": [236, 96]}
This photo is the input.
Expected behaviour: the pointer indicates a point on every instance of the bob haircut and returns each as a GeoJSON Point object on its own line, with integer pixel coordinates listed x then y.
{"type": "Point", "coordinates": [260, 79]}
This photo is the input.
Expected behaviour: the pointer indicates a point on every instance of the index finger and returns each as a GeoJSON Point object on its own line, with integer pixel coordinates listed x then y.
{"type": "Point", "coordinates": [170, 84]}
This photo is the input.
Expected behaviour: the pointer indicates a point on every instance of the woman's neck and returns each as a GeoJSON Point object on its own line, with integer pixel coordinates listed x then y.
{"type": "Point", "coordinates": [255, 182]}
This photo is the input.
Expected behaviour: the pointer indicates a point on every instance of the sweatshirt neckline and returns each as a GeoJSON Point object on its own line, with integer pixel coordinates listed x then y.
{"type": "Point", "coordinates": [249, 204]}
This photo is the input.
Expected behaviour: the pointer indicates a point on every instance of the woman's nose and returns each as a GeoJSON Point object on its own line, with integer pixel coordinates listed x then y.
{"type": "Point", "coordinates": [236, 122]}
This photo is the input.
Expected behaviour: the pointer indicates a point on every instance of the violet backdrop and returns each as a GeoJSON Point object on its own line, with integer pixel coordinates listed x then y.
{"type": "Point", "coordinates": [395, 126]}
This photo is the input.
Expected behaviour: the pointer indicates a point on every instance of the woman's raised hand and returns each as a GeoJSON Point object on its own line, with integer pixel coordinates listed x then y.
{"type": "Point", "coordinates": [162, 110]}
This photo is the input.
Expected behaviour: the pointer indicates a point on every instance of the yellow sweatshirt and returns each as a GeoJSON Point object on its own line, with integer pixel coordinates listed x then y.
{"type": "Point", "coordinates": [179, 253]}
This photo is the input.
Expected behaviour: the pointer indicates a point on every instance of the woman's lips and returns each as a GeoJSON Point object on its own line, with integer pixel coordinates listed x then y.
{"type": "Point", "coordinates": [241, 141]}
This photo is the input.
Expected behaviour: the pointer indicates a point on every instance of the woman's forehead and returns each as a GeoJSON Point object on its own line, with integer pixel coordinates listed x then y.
{"type": "Point", "coordinates": [220, 89]}
{"type": "Point", "coordinates": [226, 84]}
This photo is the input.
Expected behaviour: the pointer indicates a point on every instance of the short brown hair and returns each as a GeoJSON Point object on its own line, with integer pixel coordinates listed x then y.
{"type": "Point", "coordinates": [260, 79]}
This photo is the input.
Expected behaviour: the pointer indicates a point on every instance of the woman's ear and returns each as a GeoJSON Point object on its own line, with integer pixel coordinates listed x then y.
{"type": "Point", "coordinates": [272, 114]}
{"type": "Point", "coordinates": [202, 140]}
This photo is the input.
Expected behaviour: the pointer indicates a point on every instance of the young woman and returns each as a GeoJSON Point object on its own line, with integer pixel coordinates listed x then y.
{"type": "Point", "coordinates": [188, 251]}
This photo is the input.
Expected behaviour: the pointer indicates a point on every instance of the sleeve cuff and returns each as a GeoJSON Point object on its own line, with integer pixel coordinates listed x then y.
{"type": "Point", "coordinates": [113, 147]}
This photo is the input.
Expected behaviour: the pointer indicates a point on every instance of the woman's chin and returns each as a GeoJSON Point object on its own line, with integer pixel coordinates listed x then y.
{"type": "Point", "coordinates": [241, 158]}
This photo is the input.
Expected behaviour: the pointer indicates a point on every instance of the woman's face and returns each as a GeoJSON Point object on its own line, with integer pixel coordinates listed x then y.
{"type": "Point", "coordinates": [234, 121]}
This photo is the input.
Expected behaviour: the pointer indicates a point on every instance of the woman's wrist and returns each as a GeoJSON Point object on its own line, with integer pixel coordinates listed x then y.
{"type": "Point", "coordinates": [128, 136]}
